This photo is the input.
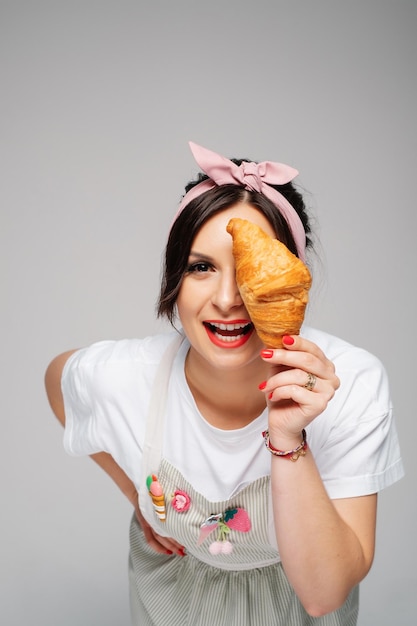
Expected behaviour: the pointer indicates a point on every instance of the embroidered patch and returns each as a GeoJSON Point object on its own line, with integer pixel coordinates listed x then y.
{"type": "Point", "coordinates": [157, 495]}
{"type": "Point", "coordinates": [233, 519]}
{"type": "Point", "coordinates": [181, 501]}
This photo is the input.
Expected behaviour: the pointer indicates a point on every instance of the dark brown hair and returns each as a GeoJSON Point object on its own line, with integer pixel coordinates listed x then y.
{"type": "Point", "coordinates": [199, 210]}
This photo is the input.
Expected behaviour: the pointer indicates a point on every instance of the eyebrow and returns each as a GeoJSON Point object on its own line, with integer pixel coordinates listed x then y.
{"type": "Point", "coordinates": [200, 255]}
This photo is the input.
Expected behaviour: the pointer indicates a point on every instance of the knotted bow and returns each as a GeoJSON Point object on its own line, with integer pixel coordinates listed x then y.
{"type": "Point", "coordinates": [252, 176]}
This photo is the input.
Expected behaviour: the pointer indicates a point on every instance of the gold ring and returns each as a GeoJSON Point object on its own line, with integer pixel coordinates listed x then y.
{"type": "Point", "coordinates": [311, 381]}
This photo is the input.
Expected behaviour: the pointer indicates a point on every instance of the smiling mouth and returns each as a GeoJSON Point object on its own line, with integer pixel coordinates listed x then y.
{"type": "Point", "coordinates": [229, 332]}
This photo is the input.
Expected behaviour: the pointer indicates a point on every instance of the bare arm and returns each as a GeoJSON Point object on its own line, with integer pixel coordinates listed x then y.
{"type": "Point", "coordinates": [326, 546]}
{"type": "Point", "coordinates": [105, 461]}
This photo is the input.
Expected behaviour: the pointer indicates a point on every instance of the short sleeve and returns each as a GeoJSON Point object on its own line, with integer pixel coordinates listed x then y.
{"type": "Point", "coordinates": [106, 389]}
{"type": "Point", "coordinates": [81, 385]}
{"type": "Point", "coordinates": [356, 444]}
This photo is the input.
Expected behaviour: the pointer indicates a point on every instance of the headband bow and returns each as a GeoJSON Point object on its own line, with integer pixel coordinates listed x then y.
{"type": "Point", "coordinates": [252, 176]}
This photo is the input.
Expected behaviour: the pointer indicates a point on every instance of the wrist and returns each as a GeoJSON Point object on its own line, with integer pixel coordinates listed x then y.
{"type": "Point", "coordinates": [289, 453]}
{"type": "Point", "coordinates": [285, 440]}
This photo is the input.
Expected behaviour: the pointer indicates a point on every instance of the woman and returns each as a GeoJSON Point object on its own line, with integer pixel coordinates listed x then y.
{"type": "Point", "coordinates": [227, 530]}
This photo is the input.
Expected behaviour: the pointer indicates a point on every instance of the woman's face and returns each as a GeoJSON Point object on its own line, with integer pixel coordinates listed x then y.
{"type": "Point", "coordinates": [209, 305]}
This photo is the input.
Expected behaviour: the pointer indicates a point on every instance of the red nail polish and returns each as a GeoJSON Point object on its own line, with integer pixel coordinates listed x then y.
{"type": "Point", "coordinates": [267, 354]}
{"type": "Point", "coordinates": [181, 552]}
{"type": "Point", "coordinates": [287, 340]}
{"type": "Point", "coordinates": [262, 385]}
{"type": "Point", "coordinates": [169, 552]}
{"type": "Point", "coordinates": [270, 395]}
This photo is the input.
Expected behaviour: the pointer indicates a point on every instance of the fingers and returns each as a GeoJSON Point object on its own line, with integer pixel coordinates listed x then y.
{"type": "Point", "coordinates": [306, 382]}
{"type": "Point", "coordinates": [311, 403]}
{"type": "Point", "coordinates": [163, 545]}
{"type": "Point", "coordinates": [306, 357]}
{"type": "Point", "coordinates": [300, 373]}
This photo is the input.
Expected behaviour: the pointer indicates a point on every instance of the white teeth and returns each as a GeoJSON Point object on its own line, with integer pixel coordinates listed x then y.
{"type": "Point", "coordinates": [228, 326]}
{"type": "Point", "coordinates": [221, 327]}
{"type": "Point", "coordinates": [228, 338]}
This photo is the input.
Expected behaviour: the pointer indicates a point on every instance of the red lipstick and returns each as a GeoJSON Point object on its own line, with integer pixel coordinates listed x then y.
{"type": "Point", "coordinates": [229, 334]}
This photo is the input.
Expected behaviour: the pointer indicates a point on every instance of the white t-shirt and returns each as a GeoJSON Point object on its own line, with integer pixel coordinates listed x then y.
{"type": "Point", "coordinates": [107, 389]}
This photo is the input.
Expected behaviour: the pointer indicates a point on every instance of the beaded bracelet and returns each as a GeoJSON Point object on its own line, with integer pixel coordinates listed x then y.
{"type": "Point", "coordinates": [293, 455]}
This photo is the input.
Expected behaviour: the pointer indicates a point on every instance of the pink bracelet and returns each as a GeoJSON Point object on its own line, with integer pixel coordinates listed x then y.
{"type": "Point", "coordinates": [293, 455]}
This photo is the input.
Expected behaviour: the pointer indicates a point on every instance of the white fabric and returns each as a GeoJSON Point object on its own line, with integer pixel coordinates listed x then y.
{"type": "Point", "coordinates": [107, 389]}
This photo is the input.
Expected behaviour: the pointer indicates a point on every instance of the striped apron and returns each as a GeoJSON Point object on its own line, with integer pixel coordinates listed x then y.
{"type": "Point", "coordinates": [231, 575]}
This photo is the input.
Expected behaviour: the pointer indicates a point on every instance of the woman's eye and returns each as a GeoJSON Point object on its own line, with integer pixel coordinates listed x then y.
{"type": "Point", "coordinates": [199, 267]}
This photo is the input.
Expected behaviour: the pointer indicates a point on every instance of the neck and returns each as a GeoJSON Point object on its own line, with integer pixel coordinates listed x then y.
{"type": "Point", "coordinates": [227, 399]}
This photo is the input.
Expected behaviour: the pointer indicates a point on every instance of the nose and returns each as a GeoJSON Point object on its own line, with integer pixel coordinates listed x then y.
{"type": "Point", "coordinates": [226, 295]}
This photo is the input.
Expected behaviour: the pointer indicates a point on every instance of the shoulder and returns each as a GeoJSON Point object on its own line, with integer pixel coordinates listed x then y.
{"type": "Point", "coordinates": [148, 351]}
{"type": "Point", "coordinates": [338, 348]}
{"type": "Point", "coordinates": [341, 352]}
{"type": "Point", "coordinates": [112, 364]}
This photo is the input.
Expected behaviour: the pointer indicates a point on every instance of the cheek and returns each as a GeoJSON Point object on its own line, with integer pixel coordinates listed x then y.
{"type": "Point", "coordinates": [184, 301]}
{"type": "Point", "coordinates": [179, 305]}
{"type": "Point", "coordinates": [195, 296]}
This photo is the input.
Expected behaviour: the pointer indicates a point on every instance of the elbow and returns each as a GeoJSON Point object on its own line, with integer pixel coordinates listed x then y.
{"type": "Point", "coordinates": [318, 607]}
{"type": "Point", "coordinates": [327, 598]}
{"type": "Point", "coordinates": [320, 610]}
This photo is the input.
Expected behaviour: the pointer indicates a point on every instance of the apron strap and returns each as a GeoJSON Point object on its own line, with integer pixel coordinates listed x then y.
{"type": "Point", "coordinates": [152, 449]}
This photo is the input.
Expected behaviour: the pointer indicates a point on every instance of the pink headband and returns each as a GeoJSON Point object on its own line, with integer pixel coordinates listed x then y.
{"type": "Point", "coordinates": [251, 176]}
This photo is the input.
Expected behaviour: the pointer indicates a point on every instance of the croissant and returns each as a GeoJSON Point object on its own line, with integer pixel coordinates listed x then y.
{"type": "Point", "coordinates": [273, 282]}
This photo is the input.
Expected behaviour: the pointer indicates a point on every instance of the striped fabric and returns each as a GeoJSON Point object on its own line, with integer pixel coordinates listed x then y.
{"type": "Point", "coordinates": [245, 588]}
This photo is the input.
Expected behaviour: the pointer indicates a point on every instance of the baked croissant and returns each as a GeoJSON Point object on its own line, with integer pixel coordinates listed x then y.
{"type": "Point", "coordinates": [273, 282]}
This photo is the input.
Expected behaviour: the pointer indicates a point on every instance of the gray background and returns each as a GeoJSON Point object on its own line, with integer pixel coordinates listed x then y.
{"type": "Point", "coordinates": [98, 101]}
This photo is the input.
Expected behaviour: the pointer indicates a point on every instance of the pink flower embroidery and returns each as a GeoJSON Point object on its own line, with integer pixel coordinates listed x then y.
{"type": "Point", "coordinates": [181, 501]}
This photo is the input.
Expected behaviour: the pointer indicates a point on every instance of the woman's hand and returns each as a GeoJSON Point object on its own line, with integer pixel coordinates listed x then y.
{"type": "Point", "coordinates": [293, 404]}
{"type": "Point", "coordinates": [163, 545]}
